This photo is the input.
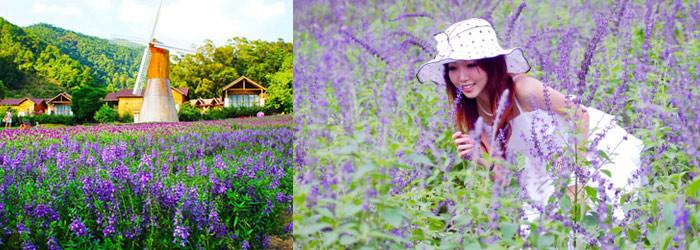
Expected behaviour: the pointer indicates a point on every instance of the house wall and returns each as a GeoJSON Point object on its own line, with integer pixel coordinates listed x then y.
{"type": "Point", "coordinates": [50, 108]}
{"type": "Point", "coordinates": [129, 105]}
{"type": "Point", "coordinates": [177, 97]}
{"type": "Point", "coordinates": [27, 107]}
{"type": "Point", "coordinates": [40, 108]}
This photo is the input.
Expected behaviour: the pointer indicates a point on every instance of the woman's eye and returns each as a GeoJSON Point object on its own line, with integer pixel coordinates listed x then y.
{"type": "Point", "coordinates": [471, 65]}
{"type": "Point", "coordinates": [451, 68]}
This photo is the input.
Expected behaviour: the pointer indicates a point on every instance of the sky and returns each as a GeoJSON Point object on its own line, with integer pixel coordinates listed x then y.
{"type": "Point", "coordinates": [182, 23]}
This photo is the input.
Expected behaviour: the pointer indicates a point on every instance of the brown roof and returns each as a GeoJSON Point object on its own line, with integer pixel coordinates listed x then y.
{"type": "Point", "coordinates": [114, 96]}
{"type": "Point", "coordinates": [212, 101]}
{"type": "Point", "coordinates": [244, 79]}
{"type": "Point", "coordinates": [184, 90]}
{"type": "Point", "coordinates": [39, 100]}
{"type": "Point", "coordinates": [12, 102]}
{"type": "Point", "coordinates": [64, 94]}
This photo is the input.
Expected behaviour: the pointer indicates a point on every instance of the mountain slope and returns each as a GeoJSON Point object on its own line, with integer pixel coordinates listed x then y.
{"type": "Point", "coordinates": [113, 64]}
{"type": "Point", "coordinates": [26, 60]}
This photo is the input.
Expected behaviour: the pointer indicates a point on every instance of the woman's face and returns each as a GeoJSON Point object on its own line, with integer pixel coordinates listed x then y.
{"type": "Point", "coordinates": [468, 77]}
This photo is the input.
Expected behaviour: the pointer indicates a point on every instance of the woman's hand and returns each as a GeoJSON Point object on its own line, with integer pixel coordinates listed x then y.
{"type": "Point", "coordinates": [464, 144]}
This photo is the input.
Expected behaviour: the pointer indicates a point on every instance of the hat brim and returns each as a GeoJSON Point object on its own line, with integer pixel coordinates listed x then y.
{"type": "Point", "coordinates": [434, 70]}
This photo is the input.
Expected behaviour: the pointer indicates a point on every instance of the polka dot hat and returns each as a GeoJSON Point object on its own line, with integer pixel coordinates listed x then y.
{"type": "Point", "coordinates": [470, 39]}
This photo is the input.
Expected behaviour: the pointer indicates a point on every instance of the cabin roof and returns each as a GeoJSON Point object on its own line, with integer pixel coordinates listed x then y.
{"type": "Point", "coordinates": [246, 79]}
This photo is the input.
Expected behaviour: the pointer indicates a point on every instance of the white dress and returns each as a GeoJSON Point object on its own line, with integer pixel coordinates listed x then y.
{"type": "Point", "coordinates": [539, 133]}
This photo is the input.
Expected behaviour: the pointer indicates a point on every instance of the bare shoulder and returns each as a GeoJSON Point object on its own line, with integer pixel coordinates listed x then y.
{"type": "Point", "coordinates": [527, 89]}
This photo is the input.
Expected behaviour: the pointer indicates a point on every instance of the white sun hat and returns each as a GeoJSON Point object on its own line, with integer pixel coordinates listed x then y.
{"type": "Point", "coordinates": [470, 39]}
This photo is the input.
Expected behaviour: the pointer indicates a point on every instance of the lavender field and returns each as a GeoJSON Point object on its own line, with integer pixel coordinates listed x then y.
{"type": "Point", "coordinates": [376, 164]}
{"type": "Point", "coordinates": [223, 184]}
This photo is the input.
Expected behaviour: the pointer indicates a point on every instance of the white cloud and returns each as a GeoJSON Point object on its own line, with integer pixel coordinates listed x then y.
{"type": "Point", "coordinates": [260, 11]}
{"type": "Point", "coordinates": [194, 21]}
{"type": "Point", "coordinates": [182, 23]}
{"type": "Point", "coordinates": [97, 4]}
{"type": "Point", "coordinates": [133, 12]}
{"type": "Point", "coordinates": [56, 9]}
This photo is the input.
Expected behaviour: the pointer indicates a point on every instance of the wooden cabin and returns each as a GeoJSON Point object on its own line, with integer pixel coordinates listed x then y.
{"type": "Point", "coordinates": [206, 104]}
{"type": "Point", "coordinates": [59, 105]}
{"type": "Point", "coordinates": [244, 92]}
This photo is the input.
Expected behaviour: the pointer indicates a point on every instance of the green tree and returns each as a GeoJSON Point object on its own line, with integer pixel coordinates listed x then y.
{"type": "Point", "coordinates": [280, 92]}
{"type": "Point", "coordinates": [3, 90]}
{"type": "Point", "coordinates": [85, 102]}
{"type": "Point", "coordinates": [106, 114]}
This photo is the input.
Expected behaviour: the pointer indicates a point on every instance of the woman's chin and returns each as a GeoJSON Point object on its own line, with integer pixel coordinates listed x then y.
{"type": "Point", "coordinates": [470, 95]}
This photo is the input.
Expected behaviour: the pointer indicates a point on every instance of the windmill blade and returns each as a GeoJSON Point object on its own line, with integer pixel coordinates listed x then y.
{"type": "Point", "coordinates": [163, 46]}
{"type": "Point", "coordinates": [143, 68]}
{"type": "Point", "coordinates": [155, 23]}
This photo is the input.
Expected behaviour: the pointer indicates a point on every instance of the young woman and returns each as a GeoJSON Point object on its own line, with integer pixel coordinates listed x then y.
{"type": "Point", "coordinates": [7, 119]}
{"type": "Point", "coordinates": [533, 120]}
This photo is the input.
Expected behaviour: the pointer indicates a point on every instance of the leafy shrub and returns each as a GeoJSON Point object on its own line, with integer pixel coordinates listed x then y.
{"type": "Point", "coordinates": [126, 118]}
{"type": "Point", "coordinates": [47, 119]}
{"type": "Point", "coordinates": [106, 114]}
{"type": "Point", "coordinates": [189, 113]}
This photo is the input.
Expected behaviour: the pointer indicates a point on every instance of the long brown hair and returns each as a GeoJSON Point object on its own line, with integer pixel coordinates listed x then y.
{"type": "Point", "coordinates": [498, 81]}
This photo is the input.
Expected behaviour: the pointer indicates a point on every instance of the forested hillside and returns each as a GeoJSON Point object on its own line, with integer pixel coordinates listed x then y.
{"type": "Point", "coordinates": [30, 66]}
{"type": "Point", "coordinates": [112, 65]}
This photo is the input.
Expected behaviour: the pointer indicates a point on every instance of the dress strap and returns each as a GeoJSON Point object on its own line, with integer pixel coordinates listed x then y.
{"type": "Point", "coordinates": [518, 104]}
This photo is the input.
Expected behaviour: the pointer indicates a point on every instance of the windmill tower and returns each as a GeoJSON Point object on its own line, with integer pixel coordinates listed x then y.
{"type": "Point", "coordinates": [158, 104]}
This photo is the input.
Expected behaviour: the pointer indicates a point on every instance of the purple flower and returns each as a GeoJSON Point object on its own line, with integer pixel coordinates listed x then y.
{"type": "Point", "coordinates": [53, 244]}
{"type": "Point", "coordinates": [682, 218]}
{"type": "Point", "coordinates": [216, 228]}
{"type": "Point", "coordinates": [289, 228]}
{"type": "Point", "coordinates": [21, 228]}
{"type": "Point", "coordinates": [27, 245]}
{"type": "Point", "coordinates": [180, 232]}
{"type": "Point", "coordinates": [245, 245]}
{"type": "Point", "coordinates": [109, 229]}
{"type": "Point", "coordinates": [78, 227]}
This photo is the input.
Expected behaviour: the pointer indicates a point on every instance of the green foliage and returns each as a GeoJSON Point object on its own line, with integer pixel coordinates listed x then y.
{"type": "Point", "coordinates": [8, 70]}
{"type": "Point", "coordinates": [3, 89]}
{"type": "Point", "coordinates": [106, 114]}
{"type": "Point", "coordinates": [126, 118]}
{"type": "Point", "coordinates": [50, 119]}
{"type": "Point", "coordinates": [83, 102]}
{"type": "Point", "coordinates": [189, 113]}
{"type": "Point", "coordinates": [230, 112]}
{"type": "Point", "coordinates": [281, 92]}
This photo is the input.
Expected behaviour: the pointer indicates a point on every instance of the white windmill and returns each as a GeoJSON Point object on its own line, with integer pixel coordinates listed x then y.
{"type": "Point", "coordinates": [158, 104]}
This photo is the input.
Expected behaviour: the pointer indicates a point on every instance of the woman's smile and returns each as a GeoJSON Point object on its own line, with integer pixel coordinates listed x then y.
{"type": "Point", "coordinates": [467, 87]}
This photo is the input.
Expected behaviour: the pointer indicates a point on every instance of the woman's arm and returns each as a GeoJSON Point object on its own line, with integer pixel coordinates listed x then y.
{"type": "Point", "coordinates": [531, 91]}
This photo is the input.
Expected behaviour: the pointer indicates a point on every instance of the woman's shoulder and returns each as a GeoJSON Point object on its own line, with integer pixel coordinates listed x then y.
{"type": "Point", "coordinates": [526, 87]}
